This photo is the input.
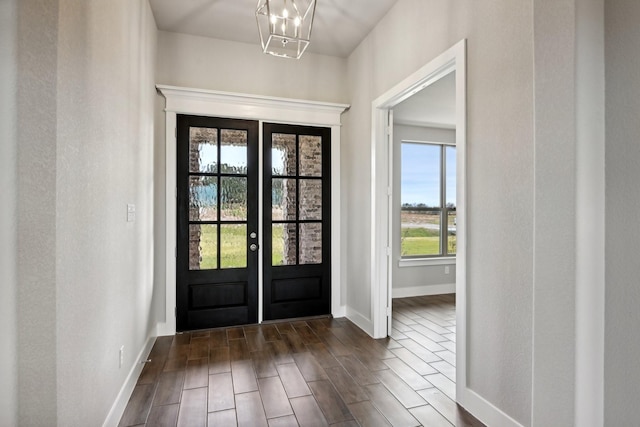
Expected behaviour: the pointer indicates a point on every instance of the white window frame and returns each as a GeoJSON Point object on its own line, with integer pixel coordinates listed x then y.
{"type": "Point", "coordinates": [426, 259]}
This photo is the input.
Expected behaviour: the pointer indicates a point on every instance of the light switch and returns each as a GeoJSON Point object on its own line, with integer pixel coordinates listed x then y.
{"type": "Point", "coordinates": [131, 213]}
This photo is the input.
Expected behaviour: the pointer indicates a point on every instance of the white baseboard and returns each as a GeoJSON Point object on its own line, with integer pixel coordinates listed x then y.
{"type": "Point", "coordinates": [118, 407]}
{"type": "Point", "coordinates": [360, 321]}
{"type": "Point", "coordinates": [164, 329]}
{"type": "Point", "coordinates": [484, 411]}
{"type": "Point", "coordinates": [417, 291]}
{"type": "Point", "coordinates": [340, 311]}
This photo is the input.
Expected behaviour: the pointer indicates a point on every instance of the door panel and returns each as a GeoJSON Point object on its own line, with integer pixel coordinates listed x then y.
{"type": "Point", "coordinates": [217, 273]}
{"type": "Point", "coordinates": [297, 223]}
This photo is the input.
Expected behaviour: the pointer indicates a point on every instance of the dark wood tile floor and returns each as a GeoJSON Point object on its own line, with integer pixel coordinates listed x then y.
{"type": "Point", "coordinates": [316, 372]}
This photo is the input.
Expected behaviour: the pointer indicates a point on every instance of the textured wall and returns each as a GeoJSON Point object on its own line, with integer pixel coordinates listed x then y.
{"type": "Point", "coordinates": [500, 173]}
{"type": "Point", "coordinates": [85, 140]}
{"type": "Point", "coordinates": [8, 219]}
{"type": "Point", "coordinates": [37, 126]}
{"type": "Point", "coordinates": [622, 317]}
{"type": "Point", "coordinates": [106, 69]}
{"type": "Point", "coordinates": [425, 275]}
{"type": "Point", "coordinates": [555, 213]}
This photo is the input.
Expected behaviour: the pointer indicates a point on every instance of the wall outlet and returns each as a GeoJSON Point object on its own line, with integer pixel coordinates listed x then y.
{"type": "Point", "coordinates": [446, 269]}
{"type": "Point", "coordinates": [131, 212]}
{"type": "Point", "coordinates": [121, 356]}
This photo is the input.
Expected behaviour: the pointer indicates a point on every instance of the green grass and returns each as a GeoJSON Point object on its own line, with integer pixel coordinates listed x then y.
{"type": "Point", "coordinates": [423, 241]}
{"type": "Point", "coordinates": [234, 246]}
{"type": "Point", "coordinates": [415, 241]}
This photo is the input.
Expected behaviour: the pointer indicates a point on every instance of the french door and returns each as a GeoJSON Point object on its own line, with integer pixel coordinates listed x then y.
{"type": "Point", "coordinates": [217, 222]}
{"type": "Point", "coordinates": [217, 258]}
{"type": "Point", "coordinates": [297, 221]}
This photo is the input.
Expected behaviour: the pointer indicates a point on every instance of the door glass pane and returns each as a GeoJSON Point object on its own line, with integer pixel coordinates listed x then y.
{"type": "Point", "coordinates": [420, 232]}
{"type": "Point", "coordinates": [310, 199]}
{"type": "Point", "coordinates": [233, 199]}
{"type": "Point", "coordinates": [283, 199]}
{"type": "Point", "coordinates": [233, 151]}
{"type": "Point", "coordinates": [311, 243]}
{"type": "Point", "coordinates": [451, 233]}
{"type": "Point", "coordinates": [310, 155]}
{"type": "Point", "coordinates": [203, 150]}
{"type": "Point", "coordinates": [283, 154]}
{"type": "Point", "coordinates": [420, 175]}
{"type": "Point", "coordinates": [203, 198]}
{"type": "Point", "coordinates": [283, 243]}
{"type": "Point", "coordinates": [233, 246]}
{"type": "Point", "coordinates": [203, 246]}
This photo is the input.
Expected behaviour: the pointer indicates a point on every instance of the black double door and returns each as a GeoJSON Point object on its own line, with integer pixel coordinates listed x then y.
{"type": "Point", "coordinates": [217, 222]}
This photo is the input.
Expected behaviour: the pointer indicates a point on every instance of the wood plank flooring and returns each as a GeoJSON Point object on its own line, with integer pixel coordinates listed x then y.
{"type": "Point", "coordinates": [319, 372]}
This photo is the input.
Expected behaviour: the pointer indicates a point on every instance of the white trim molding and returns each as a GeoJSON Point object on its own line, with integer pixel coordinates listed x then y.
{"type": "Point", "coordinates": [180, 100]}
{"type": "Point", "coordinates": [453, 59]}
{"type": "Point", "coordinates": [419, 291]}
{"type": "Point", "coordinates": [422, 262]}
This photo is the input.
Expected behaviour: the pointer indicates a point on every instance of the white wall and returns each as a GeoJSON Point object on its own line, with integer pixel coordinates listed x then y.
{"type": "Point", "coordinates": [8, 219]}
{"type": "Point", "coordinates": [622, 316]}
{"type": "Point", "coordinates": [500, 173]}
{"type": "Point", "coordinates": [106, 76]}
{"type": "Point", "coordinates": [422, 280]}
{"type": "Point", "coordinates": [204, 63]}
{"type": "Point", "coordinates": [85, 119]}
{"type": "Point", "coordinates": [36, 203]}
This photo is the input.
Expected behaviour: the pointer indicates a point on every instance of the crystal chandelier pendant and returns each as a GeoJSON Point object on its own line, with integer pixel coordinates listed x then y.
{"type": "Point", "coordinates": [285, 26]}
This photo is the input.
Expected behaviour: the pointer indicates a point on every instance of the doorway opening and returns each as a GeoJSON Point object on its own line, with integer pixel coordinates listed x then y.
{"type": "Point", "coordinates": [450, 64]}
{"type": "Point", "coordinates": [261, 109]}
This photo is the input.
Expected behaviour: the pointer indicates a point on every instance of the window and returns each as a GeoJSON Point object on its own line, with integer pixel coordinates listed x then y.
{"type": "Point", "coordinates": [428, 200]}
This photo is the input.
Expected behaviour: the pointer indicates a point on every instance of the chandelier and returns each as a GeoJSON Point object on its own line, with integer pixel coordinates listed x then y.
{"type": "Point", "coordinates": [285, 26]}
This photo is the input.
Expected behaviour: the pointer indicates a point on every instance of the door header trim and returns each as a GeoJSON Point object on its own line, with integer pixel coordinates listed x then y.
{"type": "Point", "coordinates": [185, 100]}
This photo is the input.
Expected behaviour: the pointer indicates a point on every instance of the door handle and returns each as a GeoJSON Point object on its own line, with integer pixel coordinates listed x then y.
{"type": "Point", "coordinates": [253, 247]}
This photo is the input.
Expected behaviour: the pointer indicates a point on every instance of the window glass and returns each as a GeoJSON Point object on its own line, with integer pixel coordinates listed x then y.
{"type": "Point", "coordinates": [427, 179]}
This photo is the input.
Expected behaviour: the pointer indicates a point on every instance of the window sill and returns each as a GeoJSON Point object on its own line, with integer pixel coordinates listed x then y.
{"type": "Point", "coordinates": [422, 262]}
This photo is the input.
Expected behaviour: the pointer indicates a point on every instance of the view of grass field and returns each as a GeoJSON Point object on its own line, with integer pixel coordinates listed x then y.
{"type": "Point", "coordinates": [424, 241]}
{"type": "Point", "coordinates": [233, 242]}
{"type": "Point", "coordinates": [420, 233]}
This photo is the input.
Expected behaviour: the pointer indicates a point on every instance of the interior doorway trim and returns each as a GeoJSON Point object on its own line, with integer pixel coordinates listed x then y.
{"type": "Point", "coordinates": [180, 100]}
{"type": "Point", "coordinates": [453, 59]}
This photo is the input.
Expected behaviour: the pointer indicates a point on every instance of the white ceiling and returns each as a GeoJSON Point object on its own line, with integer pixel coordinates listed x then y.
{"type": "Point", "coordinates": [339, 25]}
{"type": "Point", "coordinates": [433, 106]}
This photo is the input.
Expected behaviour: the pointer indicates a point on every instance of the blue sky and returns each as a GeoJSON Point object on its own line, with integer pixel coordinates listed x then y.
{"type": "Point", "coordinates": [420, 174]}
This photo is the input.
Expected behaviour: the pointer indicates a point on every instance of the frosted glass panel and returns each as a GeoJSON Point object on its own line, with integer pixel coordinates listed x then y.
{"type": "Point", "coordinates": [310, 155]}
{"type": "Point", "coordinates": [233, 199]}
{"type": "Point", "coordinates": [283, 199]}
{"type": "Point", "coordinates": [203, 150]}
{"type": "Point", "coordinates": [311, 243]}
{"type": "Point", "coordinates": [233, 151]}
{"type": "Point", "coordinates": [283, 154]}
{"type": "Point", "coordinates": [283, 244]}
{"type": "Point", "coordinates": [233, 246]}
{"type": "Point", "coordinates": [203, 198]}
{"type": "Point", "coordinates": [203, 246]}
{"type": "Point", "coordinates": [310, 199]}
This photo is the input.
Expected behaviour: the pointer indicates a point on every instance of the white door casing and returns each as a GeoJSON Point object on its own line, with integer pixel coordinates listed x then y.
{"type": "Point", "coordinates": [210, 103]}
